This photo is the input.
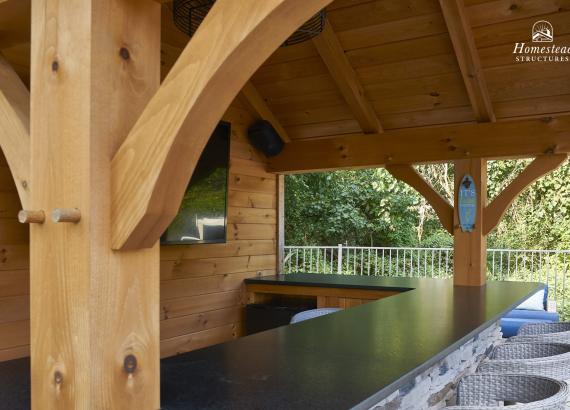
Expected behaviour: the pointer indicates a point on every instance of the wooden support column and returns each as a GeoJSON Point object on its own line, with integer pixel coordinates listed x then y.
{"type": "Point", "coordinates": [470, 248]}
{"type": "Point", "coordinates": [94, 312]}
{"type": "Point", "coordinates": [280, 222]}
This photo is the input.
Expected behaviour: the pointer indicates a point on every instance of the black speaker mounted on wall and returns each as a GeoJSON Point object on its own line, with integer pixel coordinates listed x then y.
{"type": "Point", "coordinates": [264, 137]}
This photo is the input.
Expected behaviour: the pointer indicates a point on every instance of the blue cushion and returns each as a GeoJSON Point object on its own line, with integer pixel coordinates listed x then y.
{"type": "Point", "coordinates": [510, 326]}
{"type": "Point", "coordinates": [513, 320]}
{"type": "Point", "coordinates": [533, 315]}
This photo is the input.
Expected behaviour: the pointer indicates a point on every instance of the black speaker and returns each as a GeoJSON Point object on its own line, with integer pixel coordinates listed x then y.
{"type": "Point", "coordinates": [264, 137]}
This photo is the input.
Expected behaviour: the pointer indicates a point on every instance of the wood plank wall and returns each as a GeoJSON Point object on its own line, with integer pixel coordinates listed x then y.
{"type": "Point", "coordinates": [201, 288]}
{"type": "Point", "coordinates": [201, 285]}
{"type": "Point", "coordinates": [14, 272]}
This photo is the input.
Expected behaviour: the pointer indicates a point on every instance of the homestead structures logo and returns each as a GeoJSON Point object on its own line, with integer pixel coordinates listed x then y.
{"type": "Point", "coordinates": [543, 49]}
{"type": "Point", "coordinates": [542, 32]}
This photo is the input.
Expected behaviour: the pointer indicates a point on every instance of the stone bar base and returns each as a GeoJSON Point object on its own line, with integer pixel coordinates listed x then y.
{"type": "Point", "coordinates": [435, 388]}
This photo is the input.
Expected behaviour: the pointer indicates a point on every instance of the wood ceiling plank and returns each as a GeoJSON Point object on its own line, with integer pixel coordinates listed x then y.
{"type": "Point", "coordinates": [335, 127]}
{"type": "Point", "coordinates": [421, 102]}
{"type": "Point", "coordinates": [379, 11]}
{"type": "Point", "coordinates": [305, 102]}
{"type": "Point", "coordinates": [392, 31]}
{"type": "Point", "coordinates": [510, 32]}
{"type": "Point", "coordinates": [509, 139]}
{"type": "Point", "coordinates": [440, 116]}
{"type": "Point", "coordinates": [297, 86]}
{"type": "Point", "coordinates": [393, 52]}
{"type": "Point", "coordinates": [432, 85]}
{"type": "Point", "coordinates": [506, 10]}
{"type": "Point", "coordinates": [316, 114]}
{"type": "Point", "coordinates": [409, 69]}
{"type": "Point", "coordinates": [338, 120]}
{"type": "Point", "coordinates": [292, 53]}
{"type": "Point", "coordinates": [533, 106]}
{"type": "Point", "coordinates": [305, 67]}
{"type": "Point", "coordinates": [346, 79]}
{"type": "Point", "coordinates": [514, 89]}
{"type": "Point", "coordinates": [339, 4]}
{"type": "Point", "coordinates": [462, 38]}
{"type": "Point", "coordinates": [434, 116]}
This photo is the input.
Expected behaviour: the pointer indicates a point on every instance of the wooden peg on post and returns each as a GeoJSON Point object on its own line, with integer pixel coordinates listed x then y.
{"type": "Point", "coordinates": [72, 215]}
{"type": "Point", "coordinates": [31, 217]}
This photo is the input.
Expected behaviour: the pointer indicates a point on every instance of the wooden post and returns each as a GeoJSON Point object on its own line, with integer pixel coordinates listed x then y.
{"type": "Point", "coordinates": [470, 248]}
{"type": "Point", "coordinates": [94, 311]}
{"type": "Point", "coordinates": [280, 222]}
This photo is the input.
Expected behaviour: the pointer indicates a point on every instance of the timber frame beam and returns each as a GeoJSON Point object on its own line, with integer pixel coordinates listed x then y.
{"type": "Point", "coordinates": [509, 139]}
{"type": "Point", "coordinates": [443, 209]}
{"type": "Point", "coordinates": [153, 166]}
{"type": "Point", "coordinates": [468, 58]}
{"type": "Point", "coordinates": [15, 128]}
{"type": "Point", "coordinates": [541, 166]}
{"type": "Point", "coordinates": [345, 77]}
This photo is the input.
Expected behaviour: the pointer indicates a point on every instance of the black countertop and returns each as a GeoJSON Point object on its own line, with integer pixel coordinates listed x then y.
{"type": "Point", "coordinates": [349, 359]}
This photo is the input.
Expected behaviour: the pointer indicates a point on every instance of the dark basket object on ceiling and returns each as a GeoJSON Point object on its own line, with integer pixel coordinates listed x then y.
{"type": "Point", "coordinates": [188, 14]}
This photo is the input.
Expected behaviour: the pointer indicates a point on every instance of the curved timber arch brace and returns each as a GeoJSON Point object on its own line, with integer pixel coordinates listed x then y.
{"type": "Point", "coordinates": [443, 209]}
{"type": "Point", "coordinates": [541, 166]}
{"type": "Point", "coordinates": [15, 128]}
{"type": "Point", "coordinates": [153, 166]}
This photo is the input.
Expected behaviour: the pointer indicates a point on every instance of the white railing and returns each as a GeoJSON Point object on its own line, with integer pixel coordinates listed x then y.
{"type": "Point", "coordinates": [547, 266]}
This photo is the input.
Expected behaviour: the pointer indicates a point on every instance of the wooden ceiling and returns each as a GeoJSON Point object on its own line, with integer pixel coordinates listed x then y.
{"type": "Point", "coordinates": [399, 68]}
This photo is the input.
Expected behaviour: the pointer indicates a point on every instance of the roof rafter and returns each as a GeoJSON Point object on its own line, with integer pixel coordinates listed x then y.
{"type": "Point", "coordinates": [262, 110]}
{"type": "Point", "coordinates": [508, 139]}
{"type": "Point", "coordinates": [468, 58]}
{"type": "Point", "coordinates": [345, 77]}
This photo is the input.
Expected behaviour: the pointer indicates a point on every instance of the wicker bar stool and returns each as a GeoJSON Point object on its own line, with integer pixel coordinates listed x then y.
{"type": "Point", "coordinates": [541, 359]}
{"type": "Point", "coordinates": [488, 391]}
{"type": "Point", "coordinates": [543, 332]}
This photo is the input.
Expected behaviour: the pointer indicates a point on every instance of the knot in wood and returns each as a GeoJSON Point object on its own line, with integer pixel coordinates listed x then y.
{"type": "Point", "coordinates": [124, 53]}
{"type": "Point", "coordinates": [130, 363]}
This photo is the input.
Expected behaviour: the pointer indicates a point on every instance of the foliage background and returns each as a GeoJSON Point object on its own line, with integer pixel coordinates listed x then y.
{"type": "Point", "coordinates": [370, 208]}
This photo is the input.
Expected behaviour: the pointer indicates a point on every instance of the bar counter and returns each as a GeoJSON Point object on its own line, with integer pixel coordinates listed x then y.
{"type": "Point", "coordinates": [350, 359]}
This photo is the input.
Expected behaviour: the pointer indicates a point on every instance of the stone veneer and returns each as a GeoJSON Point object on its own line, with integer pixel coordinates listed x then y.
{"type": "Point", "coordinates": [435, 387]}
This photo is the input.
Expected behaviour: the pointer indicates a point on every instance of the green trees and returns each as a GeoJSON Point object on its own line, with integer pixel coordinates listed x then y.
{"type": "Point", "coordinates": [370, 208]}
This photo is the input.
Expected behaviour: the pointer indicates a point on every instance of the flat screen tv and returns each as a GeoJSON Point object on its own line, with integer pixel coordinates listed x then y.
{"type": "Point", "coordinates": [202, 214]}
